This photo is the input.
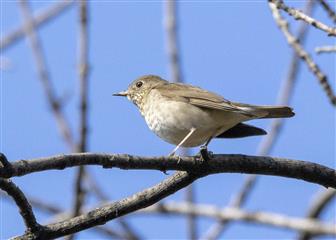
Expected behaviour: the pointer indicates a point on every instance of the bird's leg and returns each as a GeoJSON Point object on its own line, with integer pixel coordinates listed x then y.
{"type": "Point", "coordinates": [183, 141]}
{"type": "Point", "coordinates": [204, 150]}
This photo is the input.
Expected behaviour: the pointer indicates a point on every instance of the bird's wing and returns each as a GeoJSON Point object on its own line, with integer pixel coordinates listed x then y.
{"type": "Point", "coordinates": [205, 99]}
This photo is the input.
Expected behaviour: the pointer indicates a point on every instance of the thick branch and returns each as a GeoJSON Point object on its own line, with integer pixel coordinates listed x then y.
{"type": "Point", "coordinates": [103, 214]}
{"type": "Point", "coordinates": [25, 209]}
{"type": "Point", "coordinates": [236, 214]}
{"type": "Point", "coordinates": [283, 25]}
{"type": "Point", "coordinates": [40, 19]}
{"type": "Point", "coordinates": [219, 163]}
{"type": "Point", "coordinates": [298, 15]}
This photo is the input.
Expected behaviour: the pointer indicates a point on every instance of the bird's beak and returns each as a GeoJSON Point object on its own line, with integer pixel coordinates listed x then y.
{"type": "Point", "coordinates": [122, 94]}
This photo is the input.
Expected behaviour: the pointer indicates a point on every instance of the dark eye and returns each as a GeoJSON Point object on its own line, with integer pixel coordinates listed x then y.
{"type": "Point", "coordinates": [139, 84]}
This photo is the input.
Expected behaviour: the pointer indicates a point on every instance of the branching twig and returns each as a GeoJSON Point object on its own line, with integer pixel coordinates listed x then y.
{"type": "Point", "coordinates": [283, 25]}
{"type": "Point", "coordinates": [44, 74]}
{"type": "Point", "coordinates": [328, 9]}
{"type": "Point", "coordinates": [25, 209]}
{"type": "Point", "coordinates": [218, 163]}
{"type": "Point", "coordinates": [326, 49]}
{"type": "Point", "coordinates": [40, 19]}
{"type": "Point", "coordinates": [236, 214]}
{"type": "Point", "coordinates": [298, 15]}
{"type": "Point", "coordinates": [321, 201]}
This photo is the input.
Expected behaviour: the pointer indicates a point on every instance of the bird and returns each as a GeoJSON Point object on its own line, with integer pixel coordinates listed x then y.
{"type": "Point", "coordinates": [189, 116]}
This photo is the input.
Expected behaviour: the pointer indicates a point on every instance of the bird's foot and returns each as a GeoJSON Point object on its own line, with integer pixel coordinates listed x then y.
{"type": "Point", "coordinates": [204, 154]}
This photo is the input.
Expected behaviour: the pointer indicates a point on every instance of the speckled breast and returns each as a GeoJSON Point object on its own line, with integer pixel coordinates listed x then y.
{"type": "Point", "coordinates": [172, 120]}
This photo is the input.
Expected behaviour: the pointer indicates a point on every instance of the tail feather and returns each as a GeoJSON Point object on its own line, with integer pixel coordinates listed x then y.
{"type": "Point", "coordinates": [277, 112]}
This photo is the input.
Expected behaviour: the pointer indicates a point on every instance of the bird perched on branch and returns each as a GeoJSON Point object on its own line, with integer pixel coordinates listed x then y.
{"type": "Point", "coordinates": [190, 116]}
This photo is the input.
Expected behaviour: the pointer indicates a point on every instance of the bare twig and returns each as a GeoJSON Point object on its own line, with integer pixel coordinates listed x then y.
{"type": "Point", "coordinates": [172, 41]}
{"type": "Point", "coordinates": [25, 209]}
{"type": "Point", "coordinates": [173, 50]}
{"type": "Point", "coordinates": [220, 163]}
{"type": "Point", "coordinates": [40, 61]}
{"type": "Point", "coordinates": [319, 204]}
{"type": "Point", "coordinates": [283, 25]}
{"type": "Point", "coordinates": [328, 9]}
{"type": "Point", "coordinates": [236, 214]}
{"type": "Point", "coordinates": [298, 15]}
{"type": "Point", "coordinates": [267, 143]}
{"type": "Point", "coordinates": [79, 193]}
{"type": "Point", "coordinates": [40, 19]}
{"type": "Point", "coordinates": [326, 49]}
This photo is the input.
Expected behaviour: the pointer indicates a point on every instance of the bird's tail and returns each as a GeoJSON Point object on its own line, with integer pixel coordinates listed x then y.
{"type": "Point", "coordinates": [257, 111]}
{"type": "Point", "coordinates": [277, 111]}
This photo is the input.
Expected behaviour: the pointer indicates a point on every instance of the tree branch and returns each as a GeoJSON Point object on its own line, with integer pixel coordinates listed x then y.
{"type": "Point", "coordinates": [41, 18]}
{"type": "Point", "coordinates": [325, 49]}
{"type": "Point", "coordinates": [219, 163]}
{"type": "Point", "coordinates": [298, 15]}
{"type": "Point", "coordinates": [111, 211]}
{"type": "Point", "coordinates": [283, 25]}
{"type": "Point", "coordinates": [25, 209]}
{"type": "Point", "coordinates": [236, 214]}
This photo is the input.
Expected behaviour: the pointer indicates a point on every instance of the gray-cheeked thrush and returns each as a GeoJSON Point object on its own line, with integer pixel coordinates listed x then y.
{"type": "Point", "coordinates": [189, 116]}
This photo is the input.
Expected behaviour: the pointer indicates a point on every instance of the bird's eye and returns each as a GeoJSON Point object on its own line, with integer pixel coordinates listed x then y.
{"type": "Point", "coordinates": [139, 84]}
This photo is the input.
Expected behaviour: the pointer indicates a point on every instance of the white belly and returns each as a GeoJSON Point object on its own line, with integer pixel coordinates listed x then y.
{"type": "Point", "coordinates": [173, 120]}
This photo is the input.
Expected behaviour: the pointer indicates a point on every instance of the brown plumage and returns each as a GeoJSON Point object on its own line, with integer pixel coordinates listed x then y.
{"type": "Point", "coordinates": [189, 116]}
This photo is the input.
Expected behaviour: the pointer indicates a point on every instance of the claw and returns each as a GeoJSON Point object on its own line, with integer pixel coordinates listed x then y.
{"type": "Point", "coordinates": [205, 155]}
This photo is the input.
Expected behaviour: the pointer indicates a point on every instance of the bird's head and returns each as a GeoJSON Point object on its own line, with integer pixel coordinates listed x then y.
{"type": "Point", "coordinates": [140, 87]}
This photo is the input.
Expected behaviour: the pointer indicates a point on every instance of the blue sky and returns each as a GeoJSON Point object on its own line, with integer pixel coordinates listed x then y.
{"type": "Point", "coordinates": [231, 47]}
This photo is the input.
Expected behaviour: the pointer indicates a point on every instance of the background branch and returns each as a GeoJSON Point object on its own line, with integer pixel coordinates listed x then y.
{"type": "Point", "coordinates": [236, 214]}
{"type": "Point", "coordinates": [283, 25]}
{"type": "Point", "coordinates": [79, 193]}
{"type": "Point", "coordinates": [325, 49]}
{"type": "Point", "coordinates": [298, 15]}
{"type": "Point", "coordinates": [41, 18]}
{"type": "Point", "coordinates": [43, 73]}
